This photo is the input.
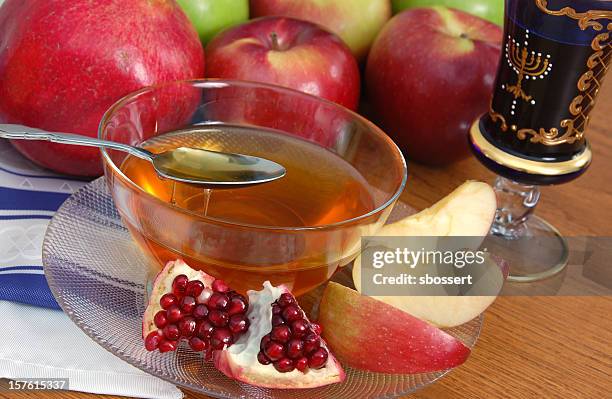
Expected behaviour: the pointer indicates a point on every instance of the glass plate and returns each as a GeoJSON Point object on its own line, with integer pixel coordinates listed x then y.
{"type": "Point", "coordinates": [97, 275]}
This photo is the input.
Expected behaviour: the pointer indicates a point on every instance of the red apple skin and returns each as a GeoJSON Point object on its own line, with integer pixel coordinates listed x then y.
{"type": "Point", "coordinates": [65, 62]}
{"type": "Point", "coordinates": [427, 84]}
{"type": "Point", "coordinates": [305, 58]}
{"type": "Point", "coordinates": [357, 22]}
{"type": "Point", "coordinates": [368, 334]}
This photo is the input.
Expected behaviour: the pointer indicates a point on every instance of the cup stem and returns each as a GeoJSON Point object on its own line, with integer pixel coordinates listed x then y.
{"type": "Point", "coordinates": [515, 204]}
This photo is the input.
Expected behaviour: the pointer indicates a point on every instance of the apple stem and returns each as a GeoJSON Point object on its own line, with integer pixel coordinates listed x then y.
{"type": "Point", "coordinates": [274, 41]}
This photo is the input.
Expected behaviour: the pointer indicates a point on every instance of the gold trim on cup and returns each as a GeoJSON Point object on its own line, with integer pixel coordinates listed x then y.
{"type": "Point", "coordinates": [576, 164]}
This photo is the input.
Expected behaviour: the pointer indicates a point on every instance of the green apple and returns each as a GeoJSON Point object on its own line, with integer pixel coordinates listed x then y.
{"type": "Point", "coordinates": [493, 10]}
{"type": "Point", "coordinates": [211, 16]}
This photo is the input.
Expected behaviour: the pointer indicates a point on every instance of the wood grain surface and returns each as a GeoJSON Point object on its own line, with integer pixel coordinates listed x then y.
{"type": "Point", "coordinates": [530, 347]}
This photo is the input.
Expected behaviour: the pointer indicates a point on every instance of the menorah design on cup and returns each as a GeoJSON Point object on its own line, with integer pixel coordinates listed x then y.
{"type": "Point", "coordinates": [527, 64]}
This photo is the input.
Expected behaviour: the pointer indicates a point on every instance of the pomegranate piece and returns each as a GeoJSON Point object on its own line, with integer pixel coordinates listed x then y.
{"type": "Point", "coordinates": [189, 305]}
{"type": "Point", "coordinates": [152, 340]}
{"type": "Point", "coordinates": [167, 346]}
{"type": "Point", "coordinates": [220, 286]}
{"type": "Point", "coordinates": [284, 365]}
{"type": "Point", "coordinates": [194, 288]}
{"type": "Point", "coordinates": [218, 300]}
{"type": "Point", "coordinates": [171, 332]}
{"type": "Point", "coordinates": [179, 284]}
{"type": "Point", "coordinates": [283, 349]}
{"type": "Point", "coordinates": [274, 351]}
{"type": "Point", "coordinates": [167, 300]}
{"type": "Point", "coordinates": [200, 311]}
{"type": "Point", "coordinates": [299, 328]}
{"type": "Point", "coordinates": [301, 364]}
{"type": "Point", "coordinates": [238, 323]}
{"type": "Point", "coordinates": [238, 305]}
{"type": "Point", "coordinates": [281, 333]}
{"type": "Point", "coordinates": [265, 340]}
{"type": "Point", "coordinates": [197, 344]}
{"type": "Point", "coordinates": [160, 319]}
{"type": "Point", "coordinates": [187, 327]}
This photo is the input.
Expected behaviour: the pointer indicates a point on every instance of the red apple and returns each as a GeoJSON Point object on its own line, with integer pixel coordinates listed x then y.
{"type": "Point", "coordinates": [286, 52]}
{"type": "Point", "coordinates": [357, 22]}
{"type": "Point", "coordinates": [368, 334]}
{"type": "Point", "coordinates": [64, 62]}
{"type": "Point", "coordinates": [430, 73]}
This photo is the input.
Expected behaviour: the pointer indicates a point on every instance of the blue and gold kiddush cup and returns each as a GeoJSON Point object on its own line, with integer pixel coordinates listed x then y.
{"type": "Point", "coordinates": [555, 54]}
{"type": "Point", "coordinates": [554, 57]}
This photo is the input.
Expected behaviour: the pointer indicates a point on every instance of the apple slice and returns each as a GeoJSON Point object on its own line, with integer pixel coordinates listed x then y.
{"type": "Point", "coordinates": [467, 212]}
{"type": "Point", "coordinates": [444, 310]}
{"type": "Point", "coordinates": [370, 335]}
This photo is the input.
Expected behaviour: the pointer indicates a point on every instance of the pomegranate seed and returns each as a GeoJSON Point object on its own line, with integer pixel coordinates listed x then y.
{"type": "Point", "coordinates": [318, 359]}
{"type": "Point", "coordinates": [264, 342]}
{"type": "Point", "coordinates": [187, 326]}
{"type": "Point", "coordinates": [194, 288]}
{"type": "Point", "coordinates": [274, 350]}
{"type": "Point", "coordinates": [316, 328]}
{"type": "Point", "coordinates": [167, 346]}
{"type": "Point", "coordinates": [276, 309]}
{"type": "Point", "coordinates": [238, 323]}
{"type": "Point", "coordinates": [188, 303]}
{"type": "Point", "coordinates": [160, 319]}
{"type": "Point", "coordinates": [263, 359]}
{"type": "Point", "coordinates": [197, 344]}
{"type": "Point", "coordinates": [179, 284]}
{"type": "Point", "coordinates": [277, 320]}
{"type": "Point", "coordinates": [174, 314]}
{"type": "Point", "coordinates": [299, 328]}
{"type": "Point", "coordinates": [286, 299]}
{"type": "Point", "coordinates": [152, 340]}
{"type": "Point", "coordinates": [281, 334]}
{"type": "Point", "coordinates": [171, 332]}
{"type": "Point", "coordinates": [221, 337]}
{"type": "Point", "coordinates": [292, 312]}
{"type": "Point", "coordinates": [204, 295]}
{"type": "Point", "coordinates": [167, 300]}
{"type": "Point", "coordinates": [218, 318]}
{"type": "Point", "coordinates": [204, 329]}
{"type": "Point", "coordinates": [301, 364]}
{"type": "Point", "coordinates": [312, 342]}
{"type": "Point", "coordinates": [237, 305]}
{"type": "Point", "coordinates": [295, 348]}
{"type": "Point", "coordinates": [284, 365]}
{"type": "Point", "coordinates": [220, 286]}
{"type": "Point", "coordinates": [218, 300]}
{"type": "Point", "coordinates": [200, 311]}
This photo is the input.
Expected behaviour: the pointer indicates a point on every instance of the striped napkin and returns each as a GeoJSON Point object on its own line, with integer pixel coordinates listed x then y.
{"type": "Point", "coordinates": [29, 196]}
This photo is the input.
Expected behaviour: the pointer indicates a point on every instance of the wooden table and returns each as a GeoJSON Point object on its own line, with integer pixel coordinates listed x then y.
{"type": "Point", "coordinates": [531, 347]}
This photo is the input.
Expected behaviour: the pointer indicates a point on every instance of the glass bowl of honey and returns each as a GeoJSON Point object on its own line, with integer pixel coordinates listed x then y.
{"type": "Point", "coordinates": [343, 177]}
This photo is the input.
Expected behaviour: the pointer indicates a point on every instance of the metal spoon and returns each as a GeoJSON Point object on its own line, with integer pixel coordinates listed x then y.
{"type": "Point", "coordinates": [184, 164]}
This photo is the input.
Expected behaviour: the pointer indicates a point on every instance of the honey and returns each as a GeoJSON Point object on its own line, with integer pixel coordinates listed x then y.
{"type": "Point", "coordinates": [278, 231]}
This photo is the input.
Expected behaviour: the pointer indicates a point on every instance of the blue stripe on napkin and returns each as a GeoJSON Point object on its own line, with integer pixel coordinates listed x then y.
{"type": "Point", "coordinates": [30, 200]}
{"type": "Point", "coordinates": [27, 288]}
{"type": "Point", "coordinates": [19, 217]}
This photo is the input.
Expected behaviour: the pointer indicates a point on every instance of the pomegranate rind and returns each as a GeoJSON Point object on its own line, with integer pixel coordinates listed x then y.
{"type": "Point", "coordinates": [163, 285]}
{"type": "Point", "coordinates": [239, 361]}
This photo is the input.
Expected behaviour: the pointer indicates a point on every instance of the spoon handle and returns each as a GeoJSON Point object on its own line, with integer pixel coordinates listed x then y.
{"type": "Point", "coordinates": [20, 132]}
